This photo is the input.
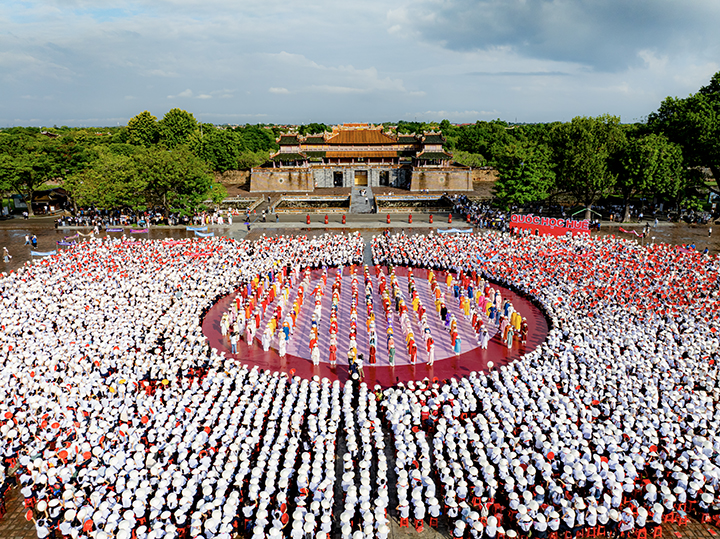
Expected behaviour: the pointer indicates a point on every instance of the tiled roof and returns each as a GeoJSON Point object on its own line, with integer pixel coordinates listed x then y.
{"type": "Point", "coordinates": [433, 155]}
{"type": "Point", "coordinates": [407, 139]}
{"type": "Point", "coordinates": [361, 136]}
{"type": "Point", "coordinates": [289, 157]}
{"type": "Point", "coordinates": [314, 139]}
{"type": "Point", "coordinates": [434, 138]}
{"type": "Point", "coordinates": [288, 140]}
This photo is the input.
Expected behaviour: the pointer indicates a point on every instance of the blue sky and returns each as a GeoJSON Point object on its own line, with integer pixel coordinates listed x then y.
{"type": "Point", "coordinates": [97, 63]}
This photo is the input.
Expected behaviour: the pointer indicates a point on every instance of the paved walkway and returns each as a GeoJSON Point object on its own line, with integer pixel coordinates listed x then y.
{"type": "Point", "coordinates": [362, 200]}
{"type": "Point", "coordinates": [13, 525]}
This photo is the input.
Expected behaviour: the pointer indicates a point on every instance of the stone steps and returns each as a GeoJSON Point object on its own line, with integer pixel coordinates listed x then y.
{"type": "Point", "coordinates": [360, 203]}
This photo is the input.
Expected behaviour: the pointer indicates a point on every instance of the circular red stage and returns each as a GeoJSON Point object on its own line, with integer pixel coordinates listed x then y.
{"type": "Point", "coordinates": [447, 363]}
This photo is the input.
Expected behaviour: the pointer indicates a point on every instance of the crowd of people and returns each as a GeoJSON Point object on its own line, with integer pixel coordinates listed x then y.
{"type": "Point", "coordinates": [269, 308]}
{"type": "Point", "coordinates": [267, 305]}
{"type": "Point", "coordinates": [118, 420]}
{"type": "Point", "coordinates": [612, 422]}
{"type": "Point", "coordinates": [480, 214]}
{"type": "Point", "coordinates": [114, 218]}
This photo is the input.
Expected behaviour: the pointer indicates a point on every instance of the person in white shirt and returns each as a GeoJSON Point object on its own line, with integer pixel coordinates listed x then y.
{"type": "Point", "coordinates": [627, 524]}
{"type": "Point", "coordinates": [641, 519]}
{"type": "Point", "coordinates": [554, 521]}
{"type": "Point", "coordinates": [41, 528]}
{"type": "Point", "coordinates": [540, 526]}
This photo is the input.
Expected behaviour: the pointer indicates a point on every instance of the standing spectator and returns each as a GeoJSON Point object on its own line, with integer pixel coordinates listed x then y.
{"type": "Point", "coordinates": [359, 365]}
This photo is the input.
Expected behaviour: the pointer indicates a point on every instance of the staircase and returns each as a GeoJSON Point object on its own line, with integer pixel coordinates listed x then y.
{"type": "Point", "coordinates": [357, 200]}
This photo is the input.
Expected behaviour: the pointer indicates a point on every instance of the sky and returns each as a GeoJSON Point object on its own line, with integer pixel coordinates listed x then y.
{"type": "Point", "coordinates": [100, 62]}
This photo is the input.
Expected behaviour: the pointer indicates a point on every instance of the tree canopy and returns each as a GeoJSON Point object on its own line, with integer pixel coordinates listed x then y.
{"type": "Point", "coordinates": [143, 130]}
{"type": "Point", "coordinates": [648, 165]}
{"type": "Point", "coordinates": [583, 148]}
{"type": "Point", "coordinates": [176, 127]}
{"type": "Point", "coordinates": [26, 163]}
{"type": "Point", "coordinates": [694, 124]}
{"type": "Point", "coordinates": [153, 177]}
{"type": "Point", "coordinates": [584, 160]}
{"type": "Point", "coordinates": [525, 173]}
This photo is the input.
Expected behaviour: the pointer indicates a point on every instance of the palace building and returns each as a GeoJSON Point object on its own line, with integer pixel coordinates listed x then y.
{"type": "Point", "coordinates": [362, 155]}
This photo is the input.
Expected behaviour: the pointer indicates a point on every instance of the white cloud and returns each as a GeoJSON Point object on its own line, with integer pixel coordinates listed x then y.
{"type": "Point", "coordinates": [453, 115]}
{"type": "Point", "coordinates": [341, 61]}
{"type": "Point", "coordinates": [184, 93]}
{"type": "Point", "coordinates": [337, 79]}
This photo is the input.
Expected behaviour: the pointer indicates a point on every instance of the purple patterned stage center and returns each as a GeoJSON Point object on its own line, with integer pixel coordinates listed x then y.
{"type": "Point", "coordinates": [407, 324]}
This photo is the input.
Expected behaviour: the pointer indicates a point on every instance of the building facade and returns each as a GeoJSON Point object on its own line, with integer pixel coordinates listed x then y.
{"type": "Point", "coordinates": [361, 155]}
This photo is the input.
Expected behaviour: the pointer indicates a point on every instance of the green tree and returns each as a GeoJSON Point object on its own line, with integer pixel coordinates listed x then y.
{"type": "Point", "coordinates": [113, 181]}
{"type": "Point", "coordinates": [71, 153]}
{"type": "Point", "coordinates": [217, 193]}
{"type": "Point", "coordinates": [583, 148]}
{"type": "Point", "coordinates": [648, 165]}
{"type": "Point", "coordinates": [174, 178]}
{"type": "Point", "coordinates": [219, 148]}
{"type": "Point", "coordinates": [253, 138]}
{"type": "Point", "coordinates": [484, 138]}
{"type": "Point", "coordinates": [5, 187]}
{"type": "Point", "coordinates": [412, 127]}
{"type": "Point", "coordinates": [694, 123]}
{"type": "Point", "coordinates": [248, 160]}
{"type": "Point", "coordinates": [176, 127]}
{"type": "Point", "coordinates": [525, 173]}
{"type": "Point", "coordinates": [450, 132]}
{"type": "Point", "coordinates": [120, 136]}
{"type": "Point", "coordinates": [312, 129]}
{"type": "Point", "coordinates": [468, 159]}
{"type": "Point", "coordinates": [26, 167]}
{"type": "Point", "coordinates": [119, 148]}
{"type": "Point", "coordinates": [142, 130]}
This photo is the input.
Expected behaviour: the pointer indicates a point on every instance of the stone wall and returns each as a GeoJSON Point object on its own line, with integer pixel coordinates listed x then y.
{"type": "Point", "coordinates": [306, 179]}
{"type": "Point", "coordinates": [233, 177]}
{"type": "Point", "coordinates": [441, 179]}
{"type": "Point", "coordinates": [484, 175]}
{"type": "Point", "coordinates": [324, 176]}
{"type": "Point", "coordinates": [278, 180]}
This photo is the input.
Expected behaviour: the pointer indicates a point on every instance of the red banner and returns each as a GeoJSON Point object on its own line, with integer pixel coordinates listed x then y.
{"type": "Point", "coordinates": [631, 232]}
{"type": "Point", "coordinates": [549, 225]}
